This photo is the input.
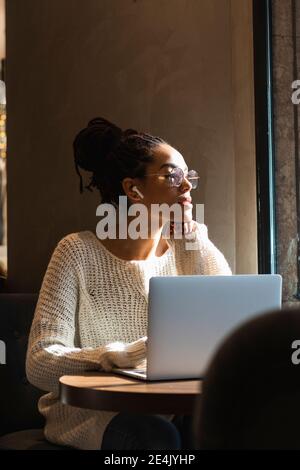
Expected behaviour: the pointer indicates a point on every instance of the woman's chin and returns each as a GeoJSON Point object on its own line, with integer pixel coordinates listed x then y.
{"type": "Point", "coordinates": [187, 213]}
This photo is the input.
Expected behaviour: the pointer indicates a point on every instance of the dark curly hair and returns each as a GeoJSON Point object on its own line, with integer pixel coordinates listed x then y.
{"type": "Point", "coordinates": [112, 155]}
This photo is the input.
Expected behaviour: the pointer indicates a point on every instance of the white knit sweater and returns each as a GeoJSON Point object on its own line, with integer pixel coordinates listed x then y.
{"type": "Point", "coordinates": [90, 299]}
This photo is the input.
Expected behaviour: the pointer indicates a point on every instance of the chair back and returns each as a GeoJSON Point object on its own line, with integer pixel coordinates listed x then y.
{"type": "Point", "coordinates": [18, 403]}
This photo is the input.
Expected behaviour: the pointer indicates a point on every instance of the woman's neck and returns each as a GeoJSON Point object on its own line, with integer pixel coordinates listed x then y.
{"type": "Point", "coordinates": [140, 249]}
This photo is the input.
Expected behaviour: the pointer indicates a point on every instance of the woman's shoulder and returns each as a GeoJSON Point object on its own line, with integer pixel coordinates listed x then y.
{"type": "Point", "coordinates": [74, 237]}
{"type": "Point", "coordinates": [75, 241]}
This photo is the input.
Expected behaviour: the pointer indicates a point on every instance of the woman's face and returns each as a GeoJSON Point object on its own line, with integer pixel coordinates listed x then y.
{"type": "Point", "coordinates": [157, 190]}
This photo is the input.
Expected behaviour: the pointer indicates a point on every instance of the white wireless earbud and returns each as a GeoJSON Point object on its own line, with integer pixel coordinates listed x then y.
{"type": "Point", "coordinates": [138, 192]}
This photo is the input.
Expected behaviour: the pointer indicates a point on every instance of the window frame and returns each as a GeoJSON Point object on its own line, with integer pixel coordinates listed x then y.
{"type": "Point", "coordinates": [264, 141]}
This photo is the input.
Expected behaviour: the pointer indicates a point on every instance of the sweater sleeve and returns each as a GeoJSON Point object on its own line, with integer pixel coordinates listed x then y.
{"type": "Point", "coordinates": [196, 254]}
{"type": "Point", "coordinates": [51, 350]}
{"type": "Point", "coordinates": [214, 261]}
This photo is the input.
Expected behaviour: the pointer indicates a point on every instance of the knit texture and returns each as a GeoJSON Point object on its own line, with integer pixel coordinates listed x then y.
{"type": "Point", "coordinates": [92, 314]}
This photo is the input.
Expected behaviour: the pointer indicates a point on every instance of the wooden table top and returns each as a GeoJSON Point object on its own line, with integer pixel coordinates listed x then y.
{"type": "Point", "coordinates": [111, 392]}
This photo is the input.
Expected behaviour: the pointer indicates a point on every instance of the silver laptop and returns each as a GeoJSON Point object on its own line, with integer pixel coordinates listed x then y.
{"type": "Point", "coordinates": [189, 316]}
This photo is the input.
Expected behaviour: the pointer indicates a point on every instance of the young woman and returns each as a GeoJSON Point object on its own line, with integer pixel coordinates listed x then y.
{"type": "Point", "coordinates": [92, 308]}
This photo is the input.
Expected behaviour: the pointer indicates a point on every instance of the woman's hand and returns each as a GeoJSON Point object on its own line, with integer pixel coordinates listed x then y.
{"type": "Point", "coordinates": [137, 351]}
{"type": "Point", "coordinates": [125, 354]}
{"type": "Point", "coordinates": [184, 228]}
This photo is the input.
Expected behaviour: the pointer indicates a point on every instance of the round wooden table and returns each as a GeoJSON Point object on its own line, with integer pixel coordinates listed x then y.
{"type": "Point", "coordinates": [110, 392]}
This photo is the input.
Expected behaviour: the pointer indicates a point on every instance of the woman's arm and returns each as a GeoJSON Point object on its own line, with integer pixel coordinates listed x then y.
{"type": "Point", "coordinates": [196, 254]}
{"type": "Point", "coordinates": [213, 260]}
{"type": "Point", "coordinates": [51, 351]}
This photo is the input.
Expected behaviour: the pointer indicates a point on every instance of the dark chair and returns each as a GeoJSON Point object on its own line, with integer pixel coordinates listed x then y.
{"type": "Point", "coordinates": [21, 425]}
{"type": "Point", "coordinates": [251, 392]}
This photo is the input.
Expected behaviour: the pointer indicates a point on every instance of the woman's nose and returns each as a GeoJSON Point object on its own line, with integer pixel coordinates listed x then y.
{"type": "Point", "coordinates": [185, 185]}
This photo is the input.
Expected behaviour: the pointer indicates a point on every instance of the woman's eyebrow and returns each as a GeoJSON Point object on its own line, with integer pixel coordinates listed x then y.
{"type": "Point", "coordinates": [172, 165]}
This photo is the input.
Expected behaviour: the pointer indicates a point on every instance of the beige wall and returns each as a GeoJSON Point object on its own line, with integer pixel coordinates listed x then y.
{"type": "Point", "coordinates": [244, 137]}
{"type": "Point", "coordinates": [2, 29]}
{"type": "Point", "coordinates": [176, 68]}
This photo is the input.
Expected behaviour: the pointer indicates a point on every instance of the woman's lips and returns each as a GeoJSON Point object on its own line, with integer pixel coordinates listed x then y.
{"type": "Point", "coordinates": [186, 202]}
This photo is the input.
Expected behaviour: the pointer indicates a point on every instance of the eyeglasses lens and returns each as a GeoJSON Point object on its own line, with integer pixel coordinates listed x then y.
{"type": "Point", "coordinates": [193, 178]}
{"type": "Point", "coordinates": [178, 176]}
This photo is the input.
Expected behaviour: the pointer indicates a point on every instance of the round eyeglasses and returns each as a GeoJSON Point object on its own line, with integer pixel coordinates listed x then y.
{"type": "Point", "coordinates": [176, 177]}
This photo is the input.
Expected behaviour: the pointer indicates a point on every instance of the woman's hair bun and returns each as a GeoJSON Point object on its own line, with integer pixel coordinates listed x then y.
{"type": "Point", "coordinates": [130, 132]}
{"type": "Point", "coordinates": [93, 143]}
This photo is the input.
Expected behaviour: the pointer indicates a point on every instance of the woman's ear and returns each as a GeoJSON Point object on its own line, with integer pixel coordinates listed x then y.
{"type": "Point", "coordinates": [138, 192]}
{"type": "Point", "coordinates": [131, 191]}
